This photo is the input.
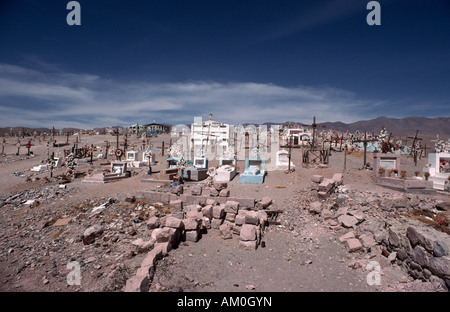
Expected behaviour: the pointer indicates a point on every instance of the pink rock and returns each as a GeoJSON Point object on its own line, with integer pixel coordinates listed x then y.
{"type": "Point", "coordinates": [353, 244]}
{"type": "Point", "coordinates": [248, 232]}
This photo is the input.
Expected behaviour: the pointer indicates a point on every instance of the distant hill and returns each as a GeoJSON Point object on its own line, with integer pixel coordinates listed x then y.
{"type": "Point", "coordinates": [397, 126]}
{"type": "Point", "coordinates": [400, 127]}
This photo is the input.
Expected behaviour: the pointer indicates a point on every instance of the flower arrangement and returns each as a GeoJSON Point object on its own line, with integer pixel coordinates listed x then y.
{"type": "Point", "coordinates": [403, 174]}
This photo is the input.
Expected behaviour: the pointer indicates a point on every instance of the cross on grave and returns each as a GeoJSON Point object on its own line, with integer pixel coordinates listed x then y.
{"type": "Point", "coordinates": [413, 146]}
{"type": "Point", "coordinates": [314, 126]}
{"type": "Point", "coordinates": [28, 146]}
{"type": "Point", "coordinates": [365, 141]}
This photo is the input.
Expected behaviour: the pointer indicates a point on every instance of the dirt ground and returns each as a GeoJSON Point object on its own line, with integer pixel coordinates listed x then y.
{"type": "Point", "coordinates": [301, 254]}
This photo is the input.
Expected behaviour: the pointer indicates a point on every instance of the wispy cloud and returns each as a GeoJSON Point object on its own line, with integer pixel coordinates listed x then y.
{"type": "Point", "coordinates": [63, 99]}
{"type": "Point", "coordinates": [320, 13]}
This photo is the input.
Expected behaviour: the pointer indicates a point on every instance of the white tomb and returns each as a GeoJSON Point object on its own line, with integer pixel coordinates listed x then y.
{"type": "Point", "coordinates": [149, 157]}
{"type": "Point", "coordinates": [227, 170]}
{"type": "Point", "coordinates": [133, 159]}
{"type": "Point", "coordinates": [283, 160]}
{"type": "Point", "coordinates": [439, 169]}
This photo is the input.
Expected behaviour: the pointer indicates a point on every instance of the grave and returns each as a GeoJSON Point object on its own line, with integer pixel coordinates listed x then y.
{"type": "Point", "coordinates": [226, 171]}
{"type": "Point", "coordinates": [283, 160]}
{"type": "Point", "coordinates": [439, 169]}
{"type": "Point", "coordinates": [393, 181]}
{"type": "Point", "coordinates": [172, 162]}
{"type": "Point", "coordinates": [132, 159]}
{"type": "Point", "coordinates": [197, 172]}
{"type": "Point", "coordinates": [386, 161]}
{"type": "Point", "coordinates": [254, 171]}
{"type": "Point", "coordinates": [117, 171]}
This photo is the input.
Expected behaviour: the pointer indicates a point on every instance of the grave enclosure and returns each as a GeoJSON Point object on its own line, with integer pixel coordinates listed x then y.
{"type": "Point", "coordinates": [196, 214]}
{"type": "Point", "coordinates": [389, 162]}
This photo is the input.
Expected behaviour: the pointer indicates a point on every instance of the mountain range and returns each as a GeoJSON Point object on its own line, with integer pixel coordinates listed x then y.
{"type": "Point", "coordinates": [397, 126]}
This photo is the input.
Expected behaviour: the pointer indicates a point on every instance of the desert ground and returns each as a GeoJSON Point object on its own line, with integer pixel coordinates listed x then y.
{"type": "Point", "coordinates": [302, 251]}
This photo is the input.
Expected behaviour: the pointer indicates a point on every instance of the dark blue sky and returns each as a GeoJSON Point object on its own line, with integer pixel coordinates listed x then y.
{"type": "Point", "coordinates": [242, 61]}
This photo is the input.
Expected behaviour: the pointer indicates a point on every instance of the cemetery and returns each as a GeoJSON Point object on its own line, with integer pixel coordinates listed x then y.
{"type": "Point", "coordinates": [129, 204]}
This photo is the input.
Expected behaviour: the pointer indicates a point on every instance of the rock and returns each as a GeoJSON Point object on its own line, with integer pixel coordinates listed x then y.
{"type": "Point", "coordinates": [218, 212]}
{"type": "Point", "coordinates": [400, 202]}
{"type": "Point", "coordinates": [248, 245]}
{"type": "Point", "coordinates": [316, 178]}
{"type": "Point", "coordinates": [196, 190]}
{"type": "Point", "coordinates": [341, 211]}
{"type": "Point", "coordinates": [394, 239]}
{"type": "Point", "coordinates": [420, 256]}
{"type": "Point", "coordinates": [163, 235]}
{"type": "Point", "coordinates": [358, 214]}
{"type": "Point", "coordinates": [414, 201]}
{"type": "Point", "coordinates": [326, 185]}
{"type": "Point", "coordinates": [264, 203]}
{"type": "Point", "coordinates": [347, 221]}
{"type": "Point", "coordinates": [213, 192]}
{"type": "Point", "coordinates": [225, 231]}
{"type": "Point", "coordinates": [240, 219]}
{"type": "Point", "coordinates": [251, 217]}
{"type": "Point", "coordinates": [220, 185]}
{"type": "Point", "coordinates": [91, 233]}
{"type": "Point", "coordinates": [176, 205]}
{"type": "Point", "coordinates": [315, 207]}
{"type": "Point", "coordinates": [326, 214]}
{"type": "Point", "coordinates": [441, 205]}
{"type": "Point", "coordinates": [440, 249]}
{"type": "Point", "coordinates": [232, 206]}
{"type": "Point", "coordinates": [190, 224]}
{"type": "Point", "coordinates": [177, 189]}
{"type": "Point", "coordinates": [367, 241]}
{"type": "Point", "coordinates": [342, 198]}
{"type": "Point", "coordinates": [440, 266]}
{"type": "Point", "coordinates": [353, 244]}
{"type": "Point", "coordinates": [207, 211]}
{"type": "Point", "coordinates": [215, 223]}
{"type": "Point", "coordinates": [173, 222]}
{"type": "Point", "coordinates": [231, 217]}
{"type": "Point", "coordinates": [401, 254]}
{"type": "Point", "coordinates": [224, 193]}
{"type": "Point", "coordinates": [392, 256]}
{"type": "Point", "coordinates": [153, 223]}
{"type": "Point", "coordinates": [194, 215]}
{"type": "Point", "coordinates": [412, 235]}
{"type": "Point", "coordinates": [248, 232]}
{"type": "Point", "coordinates": [338, 179]}
{"type": "Point", "coordinates": [192, 236]}
{"type": "Point", "coordinates": [346, 237]}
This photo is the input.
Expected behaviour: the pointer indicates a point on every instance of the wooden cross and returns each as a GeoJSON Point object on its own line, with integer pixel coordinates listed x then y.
{"type": "Point", "coordinates": [314, 126]}
{"type": "Point", "coordinates": [365, 141]}
{"type": "Point", "coordinates": [28, 146]}
{"type": "Point", "coordinates": [413, 146]}
{"type": "Point", "coordinates": [415, 139]}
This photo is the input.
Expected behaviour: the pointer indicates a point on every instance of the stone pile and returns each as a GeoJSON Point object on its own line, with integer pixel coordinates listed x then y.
{"type": "Point", "coordinates": [187, 222]}
{"type": "Point", "coordinates": [376, 225]}
{"type": "Point", "coordinates": [323, 187]}
{"type": "Point", "coordinates": [421, 251]}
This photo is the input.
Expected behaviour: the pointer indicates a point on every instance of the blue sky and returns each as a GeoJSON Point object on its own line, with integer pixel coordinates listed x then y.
{"type": "Point", "coordinates": [243, 61]}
